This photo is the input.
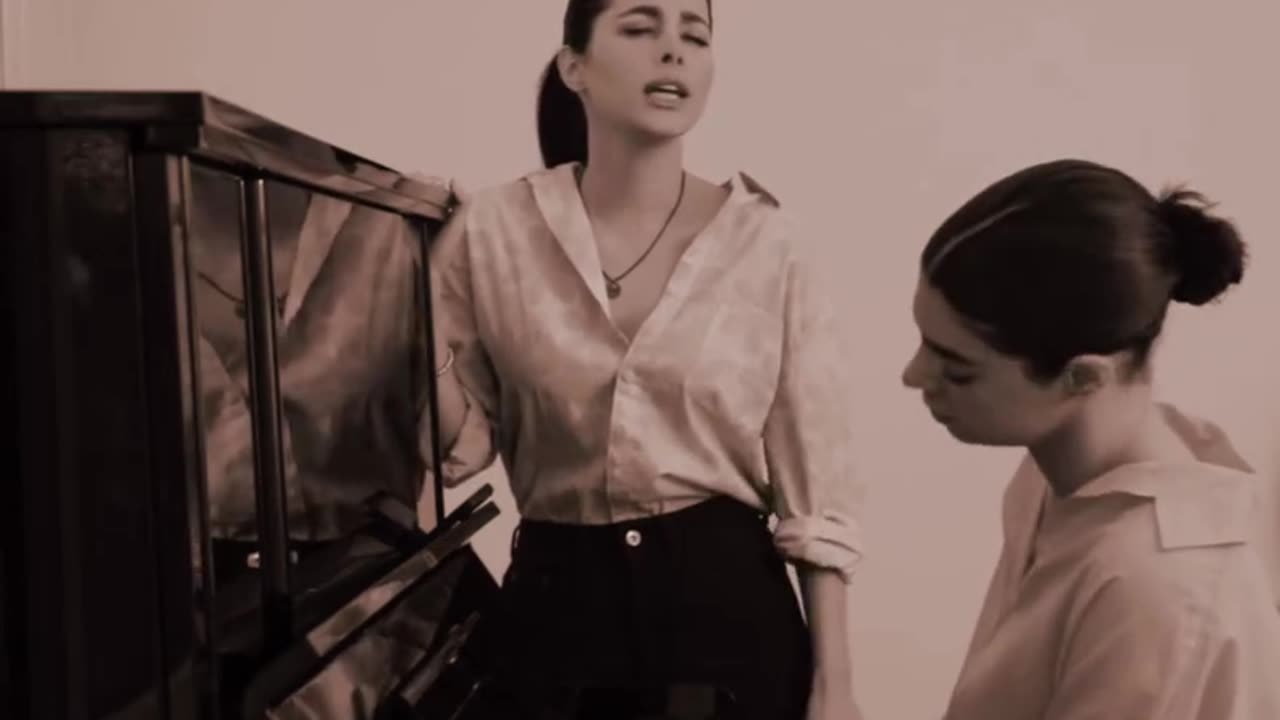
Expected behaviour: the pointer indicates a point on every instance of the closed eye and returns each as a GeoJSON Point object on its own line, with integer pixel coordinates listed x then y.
{"type": "Point", "coordinates": [689, 38]}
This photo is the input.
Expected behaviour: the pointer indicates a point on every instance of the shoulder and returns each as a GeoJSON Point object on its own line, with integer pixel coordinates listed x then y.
{"type": "Point", "coordinates": [1205, 438]}
{"type": "Point", "coordinates": [1177, 552]}
{"type": "Point", "coordinates": [1141, 574]}
{"type": "Point", "coordinates": [514, 196]}
{"type": "Point", "coordinates": [760, 219]}
{"type": "Point", "coordinates": [1198, 593]}
{"type": "Point", "coordinates": [756, 190]}
{"type": "Point", "coordinates": [495, 212]}
{"type": "Point", "coordinates": [750, 202]}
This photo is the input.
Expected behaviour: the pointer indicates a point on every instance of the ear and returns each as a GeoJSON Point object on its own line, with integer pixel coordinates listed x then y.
{"type": "Point", "coordinates": [1087, 374]}
{"type": "Point", "coordinates": [569, 63]}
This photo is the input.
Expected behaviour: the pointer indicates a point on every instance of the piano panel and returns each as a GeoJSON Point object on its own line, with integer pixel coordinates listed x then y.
{"type": "Point", "coordinates": [161, 193]}
{"type": "Point", "coordinates": [216, 217]}
{"type": "Point", "coordinates": [195, 332]}
{"type": "Point", "coordinates": [87, 545]}
{"type": "Point", "coordinates": [391, 641]}
{"type": "Point", "coordinates": [349, 326]}
{"type": "Point", "coordinates": [350, 348]}
{"type": "Point", "coordinates": [8, 696]}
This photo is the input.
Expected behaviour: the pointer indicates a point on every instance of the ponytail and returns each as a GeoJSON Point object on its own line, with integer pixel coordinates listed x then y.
{"type": "Point", "coordinates": [562, 121]}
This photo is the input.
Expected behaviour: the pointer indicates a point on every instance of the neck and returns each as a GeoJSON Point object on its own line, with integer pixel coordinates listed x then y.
{"type": "Point", "coordinates": [623, 177]}
{"type": "Point", "coordinates": [1121, 427]}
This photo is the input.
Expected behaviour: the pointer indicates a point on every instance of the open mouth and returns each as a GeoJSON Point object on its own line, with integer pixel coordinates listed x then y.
{"type": "Point", "coordinates": [672, 89]}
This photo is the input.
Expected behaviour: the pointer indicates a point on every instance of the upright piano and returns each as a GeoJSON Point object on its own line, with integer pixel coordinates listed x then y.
{"type": "Point", "coordinates": [219, 331]}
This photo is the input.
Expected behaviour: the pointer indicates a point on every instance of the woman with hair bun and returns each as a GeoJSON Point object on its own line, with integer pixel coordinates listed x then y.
{"type": "Point", "coordinates": [1127, 587]}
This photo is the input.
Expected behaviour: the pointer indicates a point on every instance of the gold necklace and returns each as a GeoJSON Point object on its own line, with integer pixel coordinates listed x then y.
{"type": "Point", "coordinates": [613, 285]}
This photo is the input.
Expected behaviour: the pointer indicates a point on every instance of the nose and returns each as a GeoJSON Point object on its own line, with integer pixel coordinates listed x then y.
{"type": "Point", "coordinates": [670, 57]}
{"type": "Point", "coordinates": [916, 374]}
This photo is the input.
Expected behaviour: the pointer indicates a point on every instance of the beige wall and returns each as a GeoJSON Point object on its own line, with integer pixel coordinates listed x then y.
{"type": "Point", "coordinates": [871, 121]}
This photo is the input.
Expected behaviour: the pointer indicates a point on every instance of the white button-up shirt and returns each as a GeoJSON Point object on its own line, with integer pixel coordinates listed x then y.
{"type": "Point", "coordinates": [735, 384]}
{"type": "Point", "coordinates": [1136, 598]}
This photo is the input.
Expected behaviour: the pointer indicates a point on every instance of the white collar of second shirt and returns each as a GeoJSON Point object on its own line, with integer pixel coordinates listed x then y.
{"type": "Point", "coordinates": [1210, 500]}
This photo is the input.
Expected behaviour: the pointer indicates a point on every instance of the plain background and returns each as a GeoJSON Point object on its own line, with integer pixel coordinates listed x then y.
{"type": "Point", "coordinates": [870, 121]}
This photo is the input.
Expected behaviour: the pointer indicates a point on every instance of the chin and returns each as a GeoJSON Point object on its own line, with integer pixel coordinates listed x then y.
{"type": "Point", "coordinates": [665, 125]}
{"type": "Point", "coordinates": [970, 436]}
{"type": "Point", "coordinates": [657, 133]}
{"type": "Point", "coordinates": [959, 434]}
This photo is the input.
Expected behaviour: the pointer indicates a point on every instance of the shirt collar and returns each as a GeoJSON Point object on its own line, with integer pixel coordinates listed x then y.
{"type": "Point", "coordinates": [559, 186]}
{"type": "Point", "coordinates": [555, 192]}
{"type": "Point", "coordinates": [1206, 501]}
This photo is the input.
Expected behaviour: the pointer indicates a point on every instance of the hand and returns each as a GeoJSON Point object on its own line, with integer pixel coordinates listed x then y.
{"type": "Point", "coordinates": [832, 701]}
{"type": "Point", "coordinates": [459, 192]}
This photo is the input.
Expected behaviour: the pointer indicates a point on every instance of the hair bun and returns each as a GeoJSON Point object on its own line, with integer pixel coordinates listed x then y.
{"type": "Point", "coordinates": [1207, 253]}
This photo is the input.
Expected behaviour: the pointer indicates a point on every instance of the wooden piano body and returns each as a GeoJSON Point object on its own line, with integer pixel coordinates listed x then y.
{"type": "Point", "coordinates": [109, 607]}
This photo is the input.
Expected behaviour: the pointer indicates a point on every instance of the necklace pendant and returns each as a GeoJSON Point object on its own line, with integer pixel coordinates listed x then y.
{"type": "Point", "coordinates": [612, 288]}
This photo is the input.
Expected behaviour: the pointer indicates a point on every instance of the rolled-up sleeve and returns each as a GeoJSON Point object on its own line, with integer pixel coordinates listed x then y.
{"type": "Point", "coordinates": [474, 448]}
{"type": "Point", "coordinates": [808, 434]}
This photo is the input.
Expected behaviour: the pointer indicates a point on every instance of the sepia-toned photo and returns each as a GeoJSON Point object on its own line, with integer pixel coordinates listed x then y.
{"type": "Point", "coordinates": [640, 360]}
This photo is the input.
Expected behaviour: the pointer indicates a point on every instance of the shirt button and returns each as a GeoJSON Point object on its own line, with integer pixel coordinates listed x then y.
{"type": "Point", "coordinates": [633, 538]}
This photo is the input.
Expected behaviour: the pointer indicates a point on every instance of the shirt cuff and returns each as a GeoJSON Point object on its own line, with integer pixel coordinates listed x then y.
{"type": "Point", "coordinates": [832, 540]}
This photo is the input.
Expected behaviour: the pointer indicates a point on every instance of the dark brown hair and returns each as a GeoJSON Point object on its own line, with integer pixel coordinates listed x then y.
{"type": "Point", "coordinates": [1070, 257]}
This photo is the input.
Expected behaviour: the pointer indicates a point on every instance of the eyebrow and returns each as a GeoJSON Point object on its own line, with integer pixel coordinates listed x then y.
{"type": "Point", "coordinates": [948, 353]}
{"type": "Point", "coordinates": [655, 13]}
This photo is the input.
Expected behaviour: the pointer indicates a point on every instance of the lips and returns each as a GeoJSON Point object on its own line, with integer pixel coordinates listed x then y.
{"type": "Point", "coordinates": [667, 88]}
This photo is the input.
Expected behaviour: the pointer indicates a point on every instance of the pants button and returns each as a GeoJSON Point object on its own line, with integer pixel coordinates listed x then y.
{"type": "Point", "coordinates": [633, 538]}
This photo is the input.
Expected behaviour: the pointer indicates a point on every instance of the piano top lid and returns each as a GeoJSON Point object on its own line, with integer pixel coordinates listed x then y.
{"type": "Point", "coordinates": [205, 126]}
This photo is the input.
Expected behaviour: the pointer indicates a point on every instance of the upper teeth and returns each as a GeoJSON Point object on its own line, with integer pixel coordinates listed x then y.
{"type": "Point", "coordinates": [667, 88]}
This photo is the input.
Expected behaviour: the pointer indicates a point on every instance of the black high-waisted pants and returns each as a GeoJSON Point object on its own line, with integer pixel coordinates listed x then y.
{"type": "Point", "coordinates": [698, 596]}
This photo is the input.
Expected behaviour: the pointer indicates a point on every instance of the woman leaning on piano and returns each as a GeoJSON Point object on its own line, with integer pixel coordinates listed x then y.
{"type": "Point", "coordinates": [652, 356]}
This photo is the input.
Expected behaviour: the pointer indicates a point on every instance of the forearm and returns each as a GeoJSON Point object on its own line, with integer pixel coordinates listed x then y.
{"type": "Point", "coordinates": [826, 602]}
{"type": "Point", "coordinates": [463, 382]}
{"type": "Point", "coordinates": [463, 409]}
{"type": "Point", "coordinates": [451, 398]}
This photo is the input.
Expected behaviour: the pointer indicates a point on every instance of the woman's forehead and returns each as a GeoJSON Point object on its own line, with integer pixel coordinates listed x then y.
{"type": "Point", "coordinates": [686, 10]}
